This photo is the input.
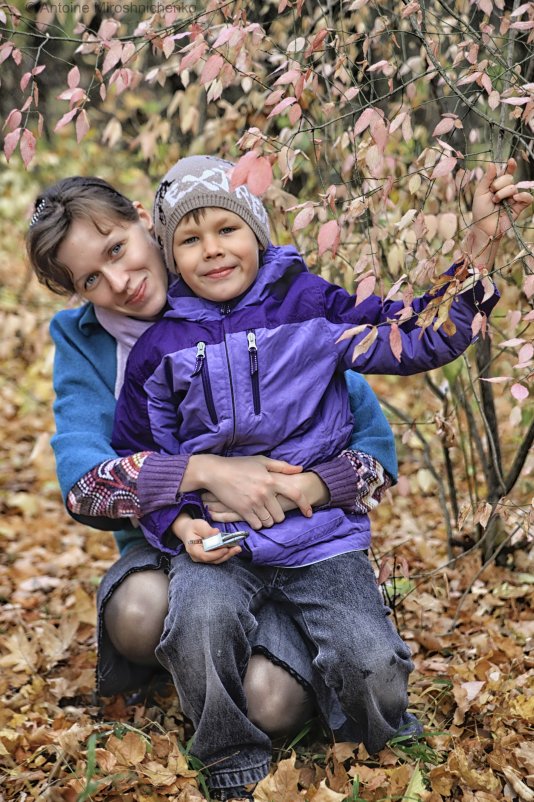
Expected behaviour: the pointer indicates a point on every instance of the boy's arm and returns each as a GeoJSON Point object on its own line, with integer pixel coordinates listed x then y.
{"type": "Point", "coordinates": [418, 348]}
{"type": "Point", "coordinates": [463, 296]}
{"type": "Point", "coordinates": [191, 531]}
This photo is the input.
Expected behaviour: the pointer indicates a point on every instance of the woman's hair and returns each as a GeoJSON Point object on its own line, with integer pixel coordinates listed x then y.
{"type": "Point", "coordinates": [55, 209]}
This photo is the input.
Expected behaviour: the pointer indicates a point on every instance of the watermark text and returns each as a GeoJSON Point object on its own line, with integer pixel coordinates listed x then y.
{"type": "Point", "coordinates": [110, 7]}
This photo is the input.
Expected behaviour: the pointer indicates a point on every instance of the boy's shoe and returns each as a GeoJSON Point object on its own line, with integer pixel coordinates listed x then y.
{"type": "Point", "coordinates": [239, 794]}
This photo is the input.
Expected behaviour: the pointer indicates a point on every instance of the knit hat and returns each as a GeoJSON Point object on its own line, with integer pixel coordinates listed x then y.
{"type": "Point", "coordinates": [196, 182]}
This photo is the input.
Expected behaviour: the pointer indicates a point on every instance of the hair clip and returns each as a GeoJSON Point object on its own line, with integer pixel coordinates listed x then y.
{"type": "Point", "coordinates": [37, 213]}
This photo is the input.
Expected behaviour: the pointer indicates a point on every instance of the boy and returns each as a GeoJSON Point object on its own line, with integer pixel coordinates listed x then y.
{"type": "Point", "coordinates": [257, 326]}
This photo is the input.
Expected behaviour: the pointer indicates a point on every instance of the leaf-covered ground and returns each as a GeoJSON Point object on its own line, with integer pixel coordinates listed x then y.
{"type": "Point", "coordinates": [472, 685]}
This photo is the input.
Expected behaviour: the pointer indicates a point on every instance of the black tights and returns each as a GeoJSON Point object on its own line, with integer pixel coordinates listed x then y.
{"type": "Point", "coordinates": [134, 617]}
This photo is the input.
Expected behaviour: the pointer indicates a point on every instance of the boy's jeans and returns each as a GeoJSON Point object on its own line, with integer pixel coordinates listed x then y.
{"type": "Point", "coordinates": [205, 646]}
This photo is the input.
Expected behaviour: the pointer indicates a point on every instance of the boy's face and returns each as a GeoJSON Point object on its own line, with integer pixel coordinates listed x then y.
{"type": "Point", "coordinates": [218, 257]}
{"type": "Point", "coordinates": [121, 269]}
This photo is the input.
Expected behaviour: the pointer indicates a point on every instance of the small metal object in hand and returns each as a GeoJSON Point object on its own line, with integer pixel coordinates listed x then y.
{"type": "Point", "coordinates": [194, 542]}
{"type": "Point", "coordinates": [224, 539]}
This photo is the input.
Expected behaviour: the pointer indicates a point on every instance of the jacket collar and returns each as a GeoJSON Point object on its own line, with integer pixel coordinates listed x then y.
{"type": "Point", "coordinates": [278, 262]}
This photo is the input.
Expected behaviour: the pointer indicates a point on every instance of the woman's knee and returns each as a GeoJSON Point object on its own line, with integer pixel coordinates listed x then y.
{"type": "Point", "coordinates": [277, 703]}
{"type": "Point", "coordinates": [135, 614]}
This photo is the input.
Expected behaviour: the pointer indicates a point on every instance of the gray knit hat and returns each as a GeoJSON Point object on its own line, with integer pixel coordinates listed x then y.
{"type": "Point", "coordinates": [196, 182]}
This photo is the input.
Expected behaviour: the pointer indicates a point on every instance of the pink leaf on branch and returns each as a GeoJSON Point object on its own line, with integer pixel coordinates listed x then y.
{"type": "Point", "coordinates": [317, 43]}
{"type": "Point", "coordinates": [241, 170]}
{"type": "Point", "coordinates": [224, 36]}
{"type": "Point", "coordinates": [113, 56]}
{"type": "Point", "coordinates": [254, 171]}
{"type": "Point", "coordinates": [24, 81]}
{"type": "Point", "coordinates": [82, 125]}
{"type": "Point", "coordinates": [364, 120]}
{"type": "Point", "coordinates": [211, 68]}
{"type": "Point", "coordinates": [478, 324]}
{"type": "Point", "coordinates": [73, 78]}
{"type": "Point", "coordinates": [519, 391]}
{"type": "Point", "coordinates": [444, 126]}
{"type": "Point", "coordinates": [395, 341]}
{"type": "Point", "coordinates": [274, 97]}
{"type": "Point", "coordinates": [304, 218]}
{"type": "Point", "coordinates": [65, 120]}
{"type": "Point", "coordinates": [444, 167]}
{"type": "Point", "coordinates": [328, 239]}
{"type": "Point", "coordinates": [193, 56]}
{"type": "Point", "coordinates": [526, 352]}
{"type": "Point", "coordinates": [282, 106]}
{"type": "Point", "coordinates": [528, 285]}
{"type": "Point", "coordinates": [27, 146]}
{"type": "Point", "coordinates": [260, 176]}
{"type": "Point", "coordinates": [494, 99]}
{"type": "Point", "coordinates": [13, 120]}
{"type": "Point", "coordinates": [288, 77]}
{"type": "Point", "coordinates": [294, 114]}
{"type": "Point", "coordinates": [365, 288]}
{"type": "Point", "coordinates": [10, 142]}
{"type": "Point", "coordinates": [364, 344]}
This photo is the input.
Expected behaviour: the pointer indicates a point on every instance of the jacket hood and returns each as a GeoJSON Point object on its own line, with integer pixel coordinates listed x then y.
{"type": "Point", "coordinates": [279, 263]}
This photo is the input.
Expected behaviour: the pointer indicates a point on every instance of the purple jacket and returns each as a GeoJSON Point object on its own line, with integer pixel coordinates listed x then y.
{"type": "Point", "coordinates": [263, 374]}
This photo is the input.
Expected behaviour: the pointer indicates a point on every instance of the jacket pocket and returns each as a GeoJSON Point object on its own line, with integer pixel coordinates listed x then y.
{"type": "Point", "coordinates": [201, 367]}
{"type": "Point", "coordinates": [254, 373]}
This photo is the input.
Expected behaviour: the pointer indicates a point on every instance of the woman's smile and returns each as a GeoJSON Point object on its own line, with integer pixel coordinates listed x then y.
{"type": "Point", "coordinates": [122, 267]}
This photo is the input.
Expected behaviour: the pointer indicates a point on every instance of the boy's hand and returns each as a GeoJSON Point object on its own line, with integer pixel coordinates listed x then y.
{"type": "Point", "coordinates": [192, 531]}
{"type": "Point", "coordinates": [490, 218]}
{"type": "Point", "coordinates": [305, 491]}
{"type": "Point", "coordinates": [250, 487]}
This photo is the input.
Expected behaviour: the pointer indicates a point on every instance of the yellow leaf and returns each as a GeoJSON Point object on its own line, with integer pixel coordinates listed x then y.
{"type": "Point", "coordinates": [523, 707]}
{"type": "Point", "coordinates": [416, 787]}
{"type": "Point", "coordinates": [129, 750]}
{"type": "Point", "coordinates": [282, 786]}
{"type": "Point", "coordinates": [325, 794]}
{"type": "Point", "coordinates": [158, 774]}
{"type": "Point", "coordinates": [106, 760]}
{"type": "Point", "coordinates": [476, 780]}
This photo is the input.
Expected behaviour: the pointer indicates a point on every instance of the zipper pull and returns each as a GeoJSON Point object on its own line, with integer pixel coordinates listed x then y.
{"type": "Point", "coordinates": [253, 351]}
{"type": "Point", "coordinates": [200, 356]}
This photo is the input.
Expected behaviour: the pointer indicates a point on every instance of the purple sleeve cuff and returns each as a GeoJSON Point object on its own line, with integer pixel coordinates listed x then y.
{"type": "Point", "coordinates": [156, 525]}
{"type": "Point", "coordinates": [159, 480]}
{"type": "Point", "coordinates": [340, 479]}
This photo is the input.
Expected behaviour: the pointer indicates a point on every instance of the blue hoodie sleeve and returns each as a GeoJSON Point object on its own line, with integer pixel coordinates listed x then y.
{"type": "Point", "coordinates": [371, 432]}
{"type": "Point", "coordinates": [84, 377]}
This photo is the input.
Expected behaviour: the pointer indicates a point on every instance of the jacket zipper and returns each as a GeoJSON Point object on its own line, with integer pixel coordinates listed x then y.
{"type": "Point", "coordinates": [201, 366]}
{"type": "Point", "coordinates": [226, 310]}
{"type": "Point", "coordinates": [254, 374]}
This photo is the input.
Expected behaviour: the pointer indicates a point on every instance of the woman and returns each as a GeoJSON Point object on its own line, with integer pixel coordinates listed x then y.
{"type": "Point", "coordinates": [92, 343]}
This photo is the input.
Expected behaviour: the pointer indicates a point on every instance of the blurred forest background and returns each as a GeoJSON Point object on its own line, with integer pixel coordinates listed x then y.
{"type": "Point", "coordinates": [369, 124]}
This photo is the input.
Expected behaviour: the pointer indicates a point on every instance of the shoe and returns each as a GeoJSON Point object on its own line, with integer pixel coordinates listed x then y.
{"type": "Point", "coordinates": [238, 794]}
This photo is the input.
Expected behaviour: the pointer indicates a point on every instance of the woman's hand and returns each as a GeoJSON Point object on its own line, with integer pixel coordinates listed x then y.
{"type": "Point", "coordinates": [192, 531]}
{"type": "Point", "coordinates": [490, 218]}
{"type": "Point", "coordinates": [308, 487]}
{"type": "Point", "coordinates": [249, 486]}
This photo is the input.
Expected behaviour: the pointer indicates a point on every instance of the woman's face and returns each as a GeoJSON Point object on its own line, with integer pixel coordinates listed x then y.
{"type": "Point", "coordinates": [121, 270]}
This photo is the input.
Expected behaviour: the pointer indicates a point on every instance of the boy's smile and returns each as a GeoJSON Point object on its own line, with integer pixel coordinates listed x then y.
{"type": "Point", "coordinates": [218, 257]}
